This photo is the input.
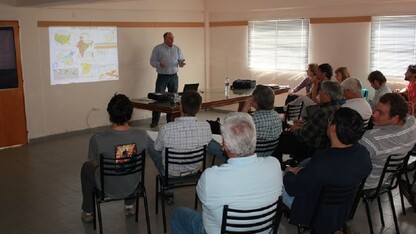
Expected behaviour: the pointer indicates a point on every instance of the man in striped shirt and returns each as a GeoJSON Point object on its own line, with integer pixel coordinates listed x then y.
{"type": "Point", "coordinates": [394, 132]}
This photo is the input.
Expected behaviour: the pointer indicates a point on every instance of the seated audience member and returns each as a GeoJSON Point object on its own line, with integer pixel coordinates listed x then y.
{"type": "Point", "coordinates": [324, 73]}
{"type": "Point", "coordinates": [378, 82]}
{"type": "Point", "coordinates": [185, 133]}
{"type": "Point", "coordinates": [351, 89]}
{"type": "Point", "coordinates": [304, 138]}
{"type": "Point", "coordinates": [109, 143]}
{"type": "Point", "coordinates": [267, 121]}
{"type": "Point", "coordinates": [394, 132]}
{"type": "Point", "coordinates": [341, 74]}
{"type": "Point", "coordinates": [410, 91]}
{"type": "Point", "coordinates": [345, 163]}
{"type": "Point", "coordinates": [306, 83]}
{"type": "Point", "coordinates": [245, 182]}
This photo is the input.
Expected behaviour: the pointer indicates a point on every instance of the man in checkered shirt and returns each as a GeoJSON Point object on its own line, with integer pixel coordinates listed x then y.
{"type": "Point", "coordinates": [185, 133]}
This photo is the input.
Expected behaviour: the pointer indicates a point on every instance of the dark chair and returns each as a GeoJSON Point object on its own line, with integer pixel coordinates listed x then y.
{"type": "Point", "coordinates": [263, 148]}
{"type": "Point", "coordinates": [174, 157]}
{"type": "Point", "coordinates": [388, 181]}
{"type": "Point", "coordinates": [292, 112]}
{"type": "Point", "coordinates": [253, 220]}
{"type": "Point", "coordinates": [266, 147]}
{"type": "Point", "coordinates": [336, 195]}
{"type": "Point", "coordinates": [405, 185]}
{"type": "Point", "coordinates": [112, 167]}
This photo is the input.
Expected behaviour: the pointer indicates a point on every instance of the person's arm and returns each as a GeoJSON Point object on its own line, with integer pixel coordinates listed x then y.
{"type": "Point", "coordinates": [155, 61]}
{"type": "Point", "coordinates": [304, 181]}
{"type": "Point", "coordinates": [159, 142]}
{"type": "Point", "coordinates": [181, 60]}
{"type": "Point", "coordinates": [301, 85]}
{"type": "Point", "coordinates": [93, 153]}
{"type": "Point", "coordinates": [201, 188]}
{"type": "Point", "coordinates": [247, 105]}
{"type": "Point", "coordinates": [315, 90]}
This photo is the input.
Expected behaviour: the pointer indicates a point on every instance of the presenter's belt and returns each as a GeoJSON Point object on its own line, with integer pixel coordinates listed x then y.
{"type": "Point", "coordinates": [167, 75]}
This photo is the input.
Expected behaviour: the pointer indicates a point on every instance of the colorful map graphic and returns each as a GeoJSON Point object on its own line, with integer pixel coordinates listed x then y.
{"type": "Point", "coordinates": [83, 54]}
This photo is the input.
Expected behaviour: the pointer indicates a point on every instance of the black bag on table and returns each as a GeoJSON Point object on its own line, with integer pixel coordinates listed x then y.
{"type": "Point", "coordinates": [243, 84]}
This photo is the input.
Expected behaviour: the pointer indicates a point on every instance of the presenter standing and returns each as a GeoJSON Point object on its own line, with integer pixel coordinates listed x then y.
{"type": "Point", "coordinates": [166, 58]}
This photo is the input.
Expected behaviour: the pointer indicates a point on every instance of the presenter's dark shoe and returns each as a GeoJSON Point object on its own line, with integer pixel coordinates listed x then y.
{"type": "Point", "coordinates": [153, 125]}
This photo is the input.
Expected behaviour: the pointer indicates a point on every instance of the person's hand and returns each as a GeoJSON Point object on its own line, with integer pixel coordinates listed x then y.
{"type": "Point", "coordinates": [247, 104]}
{"type": "Point", "coordinates": [161, 63]}
{"type": "Point", "coordinates": [182, 63]}
{"type": "Point", "coordinates": [294, 170]}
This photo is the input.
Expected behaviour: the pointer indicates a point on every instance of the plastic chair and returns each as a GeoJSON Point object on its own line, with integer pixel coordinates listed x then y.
{"type": "Point", "coordinates": [175, 157]}
{"type": "Point", "coordinates": [336, 195]}
{"type": "Point", "coordinates": [112, 167]}
{"type": "Point", "coordinates": [263, 148]}
{"type": "Point", "coordinates": [252, 220]}
{"type": "Point", "coordinates": [266, 147]}
{"type": "Point", "coordinates": [388, 181]}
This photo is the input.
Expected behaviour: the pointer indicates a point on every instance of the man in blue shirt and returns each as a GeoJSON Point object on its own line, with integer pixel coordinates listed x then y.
{"type": "Point", "coordinates": [166, 58]}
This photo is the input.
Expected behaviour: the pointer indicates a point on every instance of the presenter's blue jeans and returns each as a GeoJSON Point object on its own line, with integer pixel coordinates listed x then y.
{"type": "Point", "coordinates": [162, 82]}
{"type": "Point", "coordinates": [187, 221]}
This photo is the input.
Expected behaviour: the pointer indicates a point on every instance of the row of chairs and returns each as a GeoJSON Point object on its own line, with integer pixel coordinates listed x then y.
{"type": "Point", "coordinates": [270, 215]}
{"type": "Point", "coordinates": [393, 170]}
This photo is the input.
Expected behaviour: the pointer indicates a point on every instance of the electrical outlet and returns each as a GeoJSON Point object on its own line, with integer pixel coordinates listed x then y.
{"type": "Point", "coordinates": [95, 108]}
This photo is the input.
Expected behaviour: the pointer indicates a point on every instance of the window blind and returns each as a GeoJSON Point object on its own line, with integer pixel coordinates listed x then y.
{"type": "Point", "coordinates": [393, 44]}
{"type": "Point", "coordinates": [278, 44]}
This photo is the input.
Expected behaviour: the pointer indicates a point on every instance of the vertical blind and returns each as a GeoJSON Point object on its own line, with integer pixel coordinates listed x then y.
{"type": "Point", "coordinates": [278, 44]}
{"type": "Point", "coordinates": [393, 44]}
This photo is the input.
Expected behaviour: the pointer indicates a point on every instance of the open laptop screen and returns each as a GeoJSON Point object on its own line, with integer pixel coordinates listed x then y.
{"type": "Point", "coordinates": [188, 87]}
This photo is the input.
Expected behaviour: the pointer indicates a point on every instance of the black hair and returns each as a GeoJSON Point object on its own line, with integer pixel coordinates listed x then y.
{"type": "Point", "coordinates": [120, 109]}
{"type": "Point", "coordinates": [349, 125]}
{"type": "Point", "coordinates": [264, 97]}
{"type": "Point", "coordinates": [191, 102]}
{"type": "Point", "coordinates": [398, 105]}
{"type": "Point", "coordinates": [327, 69]}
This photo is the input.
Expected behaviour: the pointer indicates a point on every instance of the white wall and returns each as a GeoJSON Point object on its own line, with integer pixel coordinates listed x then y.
{"type": "Point", "coordinates": [56, 109]}
{"type": "Point", "coordinates": [61, 108]}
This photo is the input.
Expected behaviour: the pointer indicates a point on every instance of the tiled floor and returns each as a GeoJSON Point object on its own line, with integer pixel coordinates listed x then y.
{"type": "Point", "coordinates": [40, 192]}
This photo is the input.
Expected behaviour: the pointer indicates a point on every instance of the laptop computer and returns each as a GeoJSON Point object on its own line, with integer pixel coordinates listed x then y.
{"type": "Point", "coordinates": [188, 87]}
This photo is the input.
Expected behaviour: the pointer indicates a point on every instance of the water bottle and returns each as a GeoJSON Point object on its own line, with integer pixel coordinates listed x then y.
{"type": "Point", "coordinates": [227, 87]}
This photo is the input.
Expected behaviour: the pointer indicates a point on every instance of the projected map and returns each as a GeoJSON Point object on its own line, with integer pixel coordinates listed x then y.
{"type": "Point", "coordinates": [83, 54]}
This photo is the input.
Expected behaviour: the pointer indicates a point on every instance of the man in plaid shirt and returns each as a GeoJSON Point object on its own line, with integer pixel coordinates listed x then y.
{"type": "Point", "coordinates": [185, 133]}
{"type": "Point", "coordinates": [304, 138]}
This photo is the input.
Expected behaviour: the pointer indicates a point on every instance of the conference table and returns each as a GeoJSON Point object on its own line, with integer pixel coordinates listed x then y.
{"type": "Point", "coordinates": [211, 98]}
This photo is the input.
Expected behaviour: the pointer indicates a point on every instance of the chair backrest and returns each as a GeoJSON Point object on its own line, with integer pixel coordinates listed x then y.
{"type": "Point", "coordinates": [338, 195]}
{"type": "Point", "coordinates": [392, 169]}
{"type": "Point", "coordinates": [253, 220]}
{"type": "Point", "coordinates": [121, 167]}
{"type": "Point", "coordinates": [185, 158]}
{"type": "Point", "coordinates": [266, 147]}
{"type": "Point", "coordinates": [293, 111]}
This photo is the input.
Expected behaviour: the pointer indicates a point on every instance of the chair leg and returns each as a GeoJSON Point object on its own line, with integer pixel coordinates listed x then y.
{"type": "Point", "coordinates": [157, 195]}
{"type": "Point", "coordinates": [162, 191]}
{"type": "Point", "coordinates": [196, 200]}
{"type": "Point", "coordinates": [94, 212]}
{"type": "Point", "coordinates": [137, 209]}
{"type": "Point", "coordinates": [146, 209]}
{"type": "Point", "coordinates": [100, 221]}
{"type": "Point", "coordinates": [402, 201]}
{"type": "Point", "coordinates": [394, 212]}
{"type": "Point", "coordinates": [367, 209]}
{"type": "Point", "coordinates": [380, 208]}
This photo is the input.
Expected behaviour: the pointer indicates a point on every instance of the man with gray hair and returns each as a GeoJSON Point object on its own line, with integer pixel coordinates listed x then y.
{"type": "Point", "coordinates": [232, 183]}
{"type": "Point", "coordinates": [304, 138]}
{"type": "Point", "coordinates": [351, 89]}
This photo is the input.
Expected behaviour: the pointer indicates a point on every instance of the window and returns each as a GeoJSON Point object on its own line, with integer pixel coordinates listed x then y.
{"type": "Point", "coordinates": [278, 44]}
{"type": "Point", "coordinates": [393, 44]}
